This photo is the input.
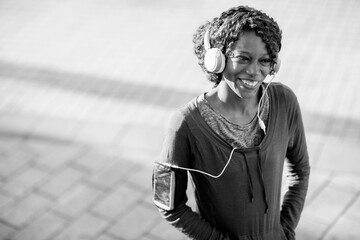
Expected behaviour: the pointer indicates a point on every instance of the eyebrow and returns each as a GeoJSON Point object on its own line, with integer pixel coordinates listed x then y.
{"type": "Point", "coordinates": [246, 52]}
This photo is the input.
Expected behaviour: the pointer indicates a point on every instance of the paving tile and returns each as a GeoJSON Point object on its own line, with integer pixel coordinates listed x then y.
{"type": "Point", "coordinates": [12, 161]}
{"type": "Point", "coordinates": [105, 237]}
{"type": "Point", "coordinates": [348, 181]}
{"type": "Point", "coordinates": [25, 210]}
{"type": "Point", "coordinates": [144, 158]}
{"type": "Point", "coordinates": [309, 228]}
{"type": "Point", "coordinates": [163, 230]}
{"type": "Point", "coordinates": [53, 155]}
{"type": "Point", "coordinates": [6, 232]}
{"type": "Point", "coordinates": [43, 147]}
{"type": "Point", "coordinates": [142, 177]}
{"type": "Point", "coordinates": [128, 226]}
{"type": "Point", "coordinates": [61, 129]}
{"type": "Point", "coordinates": [94, 161]}
{"type": "Point", "coordinates": [148, 201]}
{"type": "Point", "coordinates": [24, 181]}
{"type": "Point", "coordinates": [353, 212]}
{"type": "Point", "coordinates": [108, 177]}
{"type": "Point", "coordinates": [118, 202]}
{"type": "Point", "coordinates": [5, 200]}
{"type": "Point", "coordinates": [352, 130]}
{"type": "Point", "coordinates": [341, 153]}
{"type": "Point", "coordinates": [21, 148]}
{"type": "Point", "coordinates": [8, 142]}
{"type": "Point", "coordinates": [77, 200]}
{"type": "Point", "coordinates": [98, 133]}
{"type": "Point", "coordinates": [147, 138]}
{"type": "Point", "coordinates": [17, 123]}
{"type": "Point", "coordinates": [314, 144]}
{"type": "Point", "coordinates": [61, 181]}
{"type": "Point", "coordinates": [329, 204]}
{"type": "Point", "coordinates": [49, 94]}
{"type": "Point", "coordinates": [318, 180]}
{"type": "Point", "coordinates": [314, 124]}
{"type": "Point", "coordinates": [85, 227]}
{"type": "Point", "coordinates": [42, 228]}
{"type": "Point", "coordinates": [344, 229]}
{"type": "Point", "coordinates": [149, 237]}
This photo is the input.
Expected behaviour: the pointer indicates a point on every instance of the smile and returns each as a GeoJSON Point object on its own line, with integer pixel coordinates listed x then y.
{"type": "Point", "coordinates": [249, 83]}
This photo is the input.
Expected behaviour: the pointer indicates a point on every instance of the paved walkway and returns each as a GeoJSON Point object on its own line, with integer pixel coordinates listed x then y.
{"type": "Point", "coordinates": [87, 87]}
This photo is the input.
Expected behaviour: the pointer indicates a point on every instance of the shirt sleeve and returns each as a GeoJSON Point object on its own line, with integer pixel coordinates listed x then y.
{"type": "Point", "coordinates": [299, 169]}
{"type": "Point", "coordinates": [177, 151]}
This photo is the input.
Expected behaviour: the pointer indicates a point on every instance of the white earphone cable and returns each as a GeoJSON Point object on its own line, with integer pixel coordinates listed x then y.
{"type": "Point", "coordinates": [261, 122]}
{"type": "Point", "coordinates": [199, 171]}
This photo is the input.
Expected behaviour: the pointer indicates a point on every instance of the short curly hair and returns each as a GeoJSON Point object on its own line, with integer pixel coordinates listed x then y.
{"type": "Point", "coordinates": [226, 30]}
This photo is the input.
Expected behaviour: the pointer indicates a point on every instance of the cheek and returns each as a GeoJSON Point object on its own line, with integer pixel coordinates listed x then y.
{"type": "Point", "coordinates": [267, 71]}
{"type": "Point", "coordinates": [232, 66]}
{"type": "Point", "coordinates": [230, 70]}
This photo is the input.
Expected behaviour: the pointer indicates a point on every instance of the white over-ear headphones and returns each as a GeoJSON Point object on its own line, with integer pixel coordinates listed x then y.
{"type": "Point", "coordinates": [214, 59]}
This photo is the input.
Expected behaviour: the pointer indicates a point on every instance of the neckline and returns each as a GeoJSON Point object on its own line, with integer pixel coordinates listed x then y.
{"type": "Point", "coordinates": [217, 113]}
{"type": "Point", "coordinates": [246, 125]}
{"type": "Point", "coordinates": [224, 144]}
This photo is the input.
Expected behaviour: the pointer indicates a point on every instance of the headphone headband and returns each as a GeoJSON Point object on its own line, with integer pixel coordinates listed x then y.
{"type": "Point", "coordinates": [214, 59]}
{"type": "Point", "coordinates": [207, 39]}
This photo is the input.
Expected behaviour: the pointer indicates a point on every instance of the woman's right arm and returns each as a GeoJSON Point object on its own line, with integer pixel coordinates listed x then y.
{"type": "Point", "coordinates": [176, 151]}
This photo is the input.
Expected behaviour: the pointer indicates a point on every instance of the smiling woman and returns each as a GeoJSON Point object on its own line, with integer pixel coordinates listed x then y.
{"type": "Point", "coordinates": [234, 139]}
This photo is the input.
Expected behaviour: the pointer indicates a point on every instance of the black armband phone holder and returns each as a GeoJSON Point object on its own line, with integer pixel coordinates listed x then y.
{"type": "Point", "coordinates": [164, 187]}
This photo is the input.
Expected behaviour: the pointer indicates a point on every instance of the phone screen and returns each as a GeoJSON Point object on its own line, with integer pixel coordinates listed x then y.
{"type": "Point", "coordinates": [164, 182]}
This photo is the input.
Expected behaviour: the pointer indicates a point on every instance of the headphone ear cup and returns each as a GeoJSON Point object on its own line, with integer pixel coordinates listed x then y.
{"type": "Point", "coordinates": [276, 66]}
{"type": "Point", "coordinates": [214, 60]}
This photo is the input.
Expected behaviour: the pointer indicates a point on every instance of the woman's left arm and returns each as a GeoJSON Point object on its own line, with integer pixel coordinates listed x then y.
{"type": "Point", "coordinates": [299, 167]}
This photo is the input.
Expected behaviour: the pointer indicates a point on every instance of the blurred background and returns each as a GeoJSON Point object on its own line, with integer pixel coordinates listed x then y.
{"type": "Point", "coordinates": [86, 89]}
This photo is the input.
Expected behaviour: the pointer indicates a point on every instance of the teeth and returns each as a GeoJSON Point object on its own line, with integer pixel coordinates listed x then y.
{"type": "Point", "coordinates": [249, 83]}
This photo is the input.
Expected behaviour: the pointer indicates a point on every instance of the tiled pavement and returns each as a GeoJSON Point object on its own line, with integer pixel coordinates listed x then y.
{"type": "Point", "coordinates": [86, 89]}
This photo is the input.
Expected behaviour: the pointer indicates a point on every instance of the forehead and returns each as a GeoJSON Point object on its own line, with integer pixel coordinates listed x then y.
{"type": "Point", "coordinates": [249, 42]}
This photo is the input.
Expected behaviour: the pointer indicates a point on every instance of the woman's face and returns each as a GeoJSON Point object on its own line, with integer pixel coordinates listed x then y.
{"type": "Point", "coordinates": [248, 65]}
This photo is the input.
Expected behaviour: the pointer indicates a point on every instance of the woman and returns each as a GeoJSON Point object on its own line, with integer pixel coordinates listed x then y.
{"type": "Point", "coordinates": [234, 139]}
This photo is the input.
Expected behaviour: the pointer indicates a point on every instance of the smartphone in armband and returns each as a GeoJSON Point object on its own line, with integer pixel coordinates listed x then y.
{"type": "Point", "coordinates": [164, 188]}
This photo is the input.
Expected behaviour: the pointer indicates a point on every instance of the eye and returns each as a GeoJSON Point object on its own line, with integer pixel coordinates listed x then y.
{"type": "Point", "coordinates": [265, 61]}
{"type": "Point", "coordinates": [240, 59]}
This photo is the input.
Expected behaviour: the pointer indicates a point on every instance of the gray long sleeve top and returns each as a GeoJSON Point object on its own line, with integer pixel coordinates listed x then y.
{"type": "Point", "coordinates": [244, 203]}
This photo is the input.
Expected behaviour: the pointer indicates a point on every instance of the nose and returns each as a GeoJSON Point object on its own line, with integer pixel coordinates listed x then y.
{"type": "Point", "coordinates": [253, 69]}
